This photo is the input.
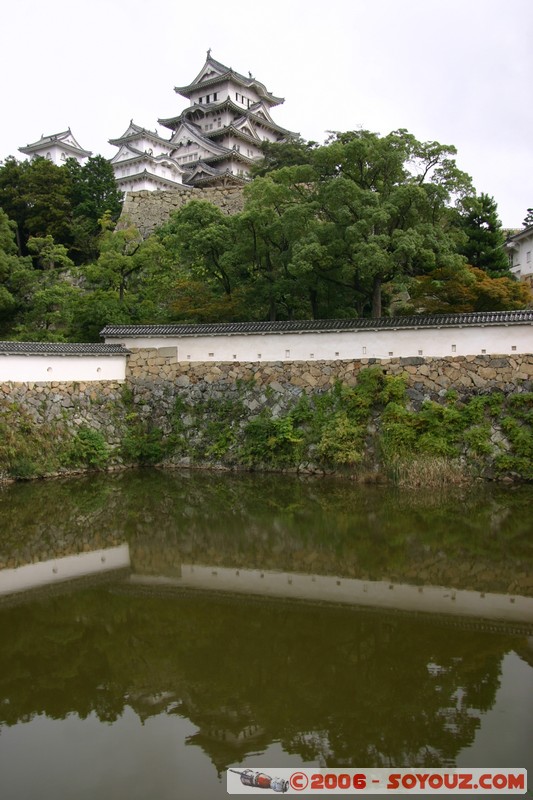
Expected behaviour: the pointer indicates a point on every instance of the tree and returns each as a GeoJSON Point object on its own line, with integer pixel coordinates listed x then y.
{"type": "Point", "coordinates": [64, 202]}
{"type": "Point", "coordinates": [362, 211]}
{"type": "Point", "coordinates": [466, 290]}
{"type": "Point", "coordinates": [18, 278]}
{"type": "Point", "coordinates": [484, 243]}
{"type": "Point", "coordinates": [276, 155]}
{"type": "Point", "coordinates": [94, 190]}
{"type": "Point", "coordinates": [123, 258]}
{"type": "Point", "coordinates": [528, 219]}
{"type": "Point", "coordinates": [12, 176]}
{"type": "Point", "coordinates": [200, 240]}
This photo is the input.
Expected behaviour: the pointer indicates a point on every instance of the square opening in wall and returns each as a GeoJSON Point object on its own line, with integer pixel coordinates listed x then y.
{"type": "Point", "coordinates": [391, 353]}
{"type": "Point", "coordinates": [287, 353]}
{"type": "Point", "coordinates": [454, 348]}
{"type": "Point", "coordinates": [420, 352]}
{"type": "Point", "coordinates": [336, 352]}
{"type": "Point", "coordinates": [210, 355]}
{"type": "Point", "coordinates": [483, 352]}
{"type": "Point", "coordinates": [259, 355]}
{"type": "Point", "coordinates": [513, 347]}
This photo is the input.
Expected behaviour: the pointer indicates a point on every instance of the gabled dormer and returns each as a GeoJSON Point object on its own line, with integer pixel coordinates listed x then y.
{"type": "Point", "coordinates": [57, 147]}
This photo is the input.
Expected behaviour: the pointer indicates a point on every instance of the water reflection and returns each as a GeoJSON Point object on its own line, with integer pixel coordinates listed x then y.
{"type": "Point", "coordinates": [477, 540]}
{"type": "Point", "coordinates": [335, 685]}
{"type": "Point", "coordinates": [328, 683]}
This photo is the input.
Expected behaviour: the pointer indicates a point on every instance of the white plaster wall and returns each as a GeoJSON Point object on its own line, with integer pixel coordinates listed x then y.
{"type": "Point", "coordinates": [435, 342]}
{"type": "Point", "coordinates": [40, 368]}
{"type": "Point", "coordinates": [523, 268]}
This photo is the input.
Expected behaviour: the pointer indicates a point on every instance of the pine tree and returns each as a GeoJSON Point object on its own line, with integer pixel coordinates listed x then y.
{"type": "Point", "coordinates": [484, 245]}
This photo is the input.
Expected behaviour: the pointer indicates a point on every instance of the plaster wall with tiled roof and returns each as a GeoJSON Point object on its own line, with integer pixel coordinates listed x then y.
{"type": "Point", "coordinates": [44, 362]}
{"type": "Point", "coordinates": [502, 333]}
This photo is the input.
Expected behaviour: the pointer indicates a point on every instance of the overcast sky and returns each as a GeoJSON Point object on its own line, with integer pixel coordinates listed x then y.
{"type": "Point", "coordinates": [456, 71]}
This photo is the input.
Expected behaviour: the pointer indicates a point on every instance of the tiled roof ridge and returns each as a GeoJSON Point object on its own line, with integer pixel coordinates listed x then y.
{"type": "Point", "coordinates": [438, 320]}
{"type": "Point", "coordinates": [62, 348]}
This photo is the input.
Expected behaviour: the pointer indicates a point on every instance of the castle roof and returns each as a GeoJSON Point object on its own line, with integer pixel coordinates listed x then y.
{"type": "Point", "coordinates": [256, 112]}
{"type": "Point", "coordinates": [134, 132]}
{"type": "Point", "coordinates": [518, 235]}
{"type": "Point", "coordinates": [203, 174]}
{"type": "Point", "coordinates": [323, 325]}
{"type": "Point", "coordinates": [129, 154]}
{"type": "Point", "coordinates": [192, 132]}
{"type": "Point", "coordinates": [214, 72]}
{"type": "Point", "coordinates": [64, 139]}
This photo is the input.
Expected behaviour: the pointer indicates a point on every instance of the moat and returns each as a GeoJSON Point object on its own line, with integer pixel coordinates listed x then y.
{"type": "Point", "coordinates": [257, 620]}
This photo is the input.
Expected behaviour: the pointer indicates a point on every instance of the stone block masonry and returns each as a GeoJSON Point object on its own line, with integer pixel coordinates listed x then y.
{"type": "Point", "coordinates": [198, 402]}
{"type": "Point", "coordinates": [147, 211]}
{"type": "Point", "coordinates": [426, 376]}
{"type": "Point", "coordinates": [73, 405]}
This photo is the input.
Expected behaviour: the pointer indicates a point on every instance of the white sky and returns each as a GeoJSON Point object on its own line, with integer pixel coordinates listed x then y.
{"type": "Point", "coordinates": [456, 71]}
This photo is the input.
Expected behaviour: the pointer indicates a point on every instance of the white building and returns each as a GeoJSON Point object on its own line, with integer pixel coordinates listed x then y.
{"type": "Point", "coordinates": [520, 248]}
{"type": "Point", "coordinates": [495, 332]}
{"type": "Point", "coordinates": [143, 161]}
{"type": "Point", "coordinates": [218, 137]}
{"type": "Point", "coordinates": [214, 141]}
{"type": "Point", "coordinates": [56, 148]}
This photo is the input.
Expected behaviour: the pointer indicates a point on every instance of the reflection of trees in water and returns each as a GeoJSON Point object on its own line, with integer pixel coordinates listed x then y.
{"type": "Point", "coordinates": [475, 539]}
{"type": "Point", "coordinates": [331, 684]}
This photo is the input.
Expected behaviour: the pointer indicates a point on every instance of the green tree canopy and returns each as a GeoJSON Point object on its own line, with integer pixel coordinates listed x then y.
{"type": "Point", "coordinates": [64, 202]}
{"type": "Point", "coordinates": [484, 243]}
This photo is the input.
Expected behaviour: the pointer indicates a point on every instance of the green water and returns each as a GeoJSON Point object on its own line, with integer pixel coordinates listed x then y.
{"type": "Point", "coordinates": [124, 685]}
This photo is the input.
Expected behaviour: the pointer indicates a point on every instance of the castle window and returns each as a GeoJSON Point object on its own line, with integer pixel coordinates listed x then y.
{"type": "Point", "coordinates": [528, 256]}
{"type": "Point", "coordinates": [215, 96]}
{"type": "Point", "coordinates": [287, 353]}
{"type": "Point", "coordinates": [454, 348]}
{"type": "Point", "coordinates": [364, 351]}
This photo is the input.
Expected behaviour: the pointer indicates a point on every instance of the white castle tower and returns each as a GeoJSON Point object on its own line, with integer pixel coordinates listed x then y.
{"type": "Point", "coordinates": [215, 140]}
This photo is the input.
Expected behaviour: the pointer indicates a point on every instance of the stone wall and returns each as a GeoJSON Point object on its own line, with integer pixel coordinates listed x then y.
{"type": "Point", "coordinates": [73, 405]}
{"type": "Point", "coordinates": [149, 210]}
{"type": "Point", "coordinates": [427, 377]}
{"type": "Point", "coordinates": [196, 402]}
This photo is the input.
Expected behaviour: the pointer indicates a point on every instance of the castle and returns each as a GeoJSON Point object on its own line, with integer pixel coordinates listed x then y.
{"type": "Point", "coordinates": [214, 141]}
